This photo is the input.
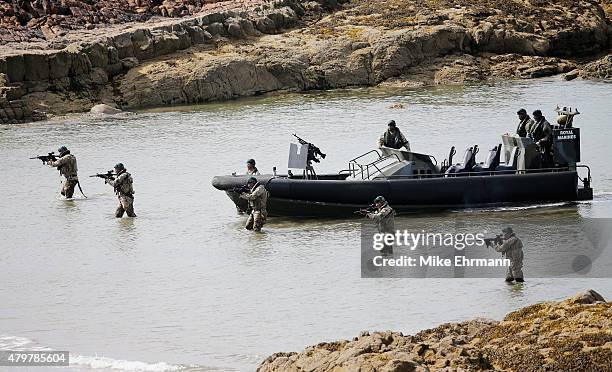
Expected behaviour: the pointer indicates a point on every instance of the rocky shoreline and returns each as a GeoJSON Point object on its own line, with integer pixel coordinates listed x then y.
{"type": "Point", "coordinates": [231, 49]}
{"type": "Point", "coordinates": [570, 335]}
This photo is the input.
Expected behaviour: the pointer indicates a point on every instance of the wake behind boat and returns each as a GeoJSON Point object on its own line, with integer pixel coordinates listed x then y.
{"type": "Point", "coordinates": [513, 173]}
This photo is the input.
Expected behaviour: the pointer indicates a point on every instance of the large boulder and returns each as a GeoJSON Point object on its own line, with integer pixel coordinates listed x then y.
{"type": "Point", "coordinates": [105, 109]}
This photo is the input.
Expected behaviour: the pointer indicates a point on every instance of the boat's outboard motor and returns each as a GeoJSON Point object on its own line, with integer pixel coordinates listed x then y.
{"type": "Point", "coordinates": [492, 160]}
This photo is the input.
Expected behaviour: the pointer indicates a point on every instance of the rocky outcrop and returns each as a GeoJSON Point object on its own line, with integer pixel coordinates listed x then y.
{"type": "Point", "coordinates": [571, 335]}
{"type": "Point", "coordinates": [294, 45]}
{"type": "Point", "coordinates": [28, 20]}
{"type": "Point", "coordinates": [77, 76]}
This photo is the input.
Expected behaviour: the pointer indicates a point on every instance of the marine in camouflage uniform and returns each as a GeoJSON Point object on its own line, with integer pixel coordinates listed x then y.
{"type": "Point", "coordinates": [393, 138]}
{"type": "Point", "coordinates": [124, 189]}
{"type": "Point", "coordinates": [512, 249]}
{"type": "Point", "coordinates": [384, 217]}
{"type": "Point", "coordinates": [525, 123]}
{"type": "Point", "coordinates": [258, 200]}
{"type": "Point", "coordinates": [67, 166]}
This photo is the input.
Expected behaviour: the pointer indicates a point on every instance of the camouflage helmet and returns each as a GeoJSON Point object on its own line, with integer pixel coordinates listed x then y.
{"type": "Point", "coordinates": [251, 161]}
{"type": "Point", "coordinates": [119, 166]}
{"type": "Point", "coordinates": [538, 113]}
{"type": "Point", "coordinates": [521, 112]}
{"type": "Point", "coordinates": [507, 230]}
{"type": "Point", "coordinates": [380, 199]}
{"type": "Point", "coordinates": [62, 150]}
{"type": "Point", "coordinates": [252, 180]}
{"type": "Point", "coordinates": [391, 123]}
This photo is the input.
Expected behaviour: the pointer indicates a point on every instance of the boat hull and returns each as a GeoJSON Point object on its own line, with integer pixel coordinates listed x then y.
{"type": "Point", "coordinates": [339, 197]}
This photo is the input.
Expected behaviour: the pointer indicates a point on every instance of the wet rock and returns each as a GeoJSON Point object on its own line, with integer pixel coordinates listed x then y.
{"type": "Point", "coordinates": [588, 297]}
{"type": "Point", "coordinates": [572, 75]}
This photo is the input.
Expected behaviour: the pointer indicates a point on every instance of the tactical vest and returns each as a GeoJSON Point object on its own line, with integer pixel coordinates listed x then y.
{"type": "Point", "coordinates": [259, 204]}
{"type": "Point", "coordinates": [68, 166]}
{"type": "Point", "coordinates": [393, 140]}
{"type": "Point", "coordinates": [124, 185]}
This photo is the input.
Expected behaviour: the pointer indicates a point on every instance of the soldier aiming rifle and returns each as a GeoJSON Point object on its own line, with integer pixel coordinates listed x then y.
{"type": "Point", "coordinates": [66, 164]}
{"type": "Point", "coordinates": [511, 247]}
{"type": "Point", "coordinates": [122, 183]}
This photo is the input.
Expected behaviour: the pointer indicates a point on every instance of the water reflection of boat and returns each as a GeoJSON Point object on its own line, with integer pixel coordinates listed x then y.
{"type": "Point", "coordinates": [511, 174]}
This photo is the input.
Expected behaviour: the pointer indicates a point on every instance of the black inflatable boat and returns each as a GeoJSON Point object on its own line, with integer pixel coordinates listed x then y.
{"type": "Point", "coordinates": [412, 182]}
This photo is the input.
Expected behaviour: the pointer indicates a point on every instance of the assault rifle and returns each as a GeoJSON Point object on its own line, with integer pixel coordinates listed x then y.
{"type": "Point", "coordinates": [45, 158]}
{"type": "Point", "coordinates": [107, 176]}
{"type": "Point", "coordinates": [241, 189]}
{"type": "Point", "coordinates": [491, 242]}
{"type": "Point", "coordinates": [364, 211]}
{"type": "Point", "coordinates": [313, 151]}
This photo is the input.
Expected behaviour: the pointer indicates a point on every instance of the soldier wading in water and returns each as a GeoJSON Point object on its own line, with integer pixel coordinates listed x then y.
{"type": "Point", "coordinates": [124, 190]}
{"type": "Point", "coordinates": [512, 249]}
{"type": "Point", "coordinates": [67, 166]}
{"type": "Point", "coordinates": [258, 199]}
{"type": "Point", "coordinates": [384, 217]}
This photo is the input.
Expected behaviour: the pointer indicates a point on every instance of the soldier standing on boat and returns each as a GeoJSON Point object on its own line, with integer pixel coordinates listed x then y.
{"type": "Point", "coordinates": [67, 166]}
{"type": "Point", "coordinates": [251, 168]}
{"type": "Point", "coordinates": [258, 200]}
{"type": "Point", "coordinates": [512, 249]}
{"type": "Point", "coordinates": [525, 123]}
{"type": "Point", "coordinates": [541, 133]}
{"type": "Point", "coordinates": [124, 189]}
{"type": "Point", "coordinates": [393, 138]}
{"type": "Point", "coordinates": [384, 217]}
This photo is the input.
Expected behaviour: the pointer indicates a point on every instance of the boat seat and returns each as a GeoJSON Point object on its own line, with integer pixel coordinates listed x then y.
{"type": "Point", "coordinates": [447, 163]}
{"type": "Point", "coordinates": [469, 160]}
{"type": "Point", "coordinates": [511, 166]}
{"type": "Point", "coordinates": [492, 160]}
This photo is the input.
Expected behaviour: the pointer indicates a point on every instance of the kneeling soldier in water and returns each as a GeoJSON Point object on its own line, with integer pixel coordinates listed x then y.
{"type": "Point", "coordinates": [67, 166]}
{"type": "Point", "coordinates": [258, 200]}
{"type": "Point", "coordinates": [384, 217]}
{"type": "Point", "coordinates": [512, 249]}
{"type": "Point", "coordinates": [124, 190]}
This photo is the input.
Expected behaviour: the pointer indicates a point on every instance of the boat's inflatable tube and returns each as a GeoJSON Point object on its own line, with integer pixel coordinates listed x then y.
{"type": "Point", "coordinates": [443, 192]}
